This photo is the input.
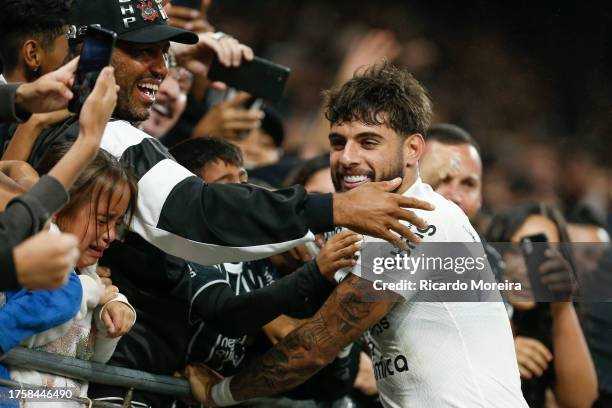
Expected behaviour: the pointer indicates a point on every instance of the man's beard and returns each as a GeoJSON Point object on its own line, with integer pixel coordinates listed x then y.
{"type": "Point", "coordinates": [396, 170]}
{"type": "Point", "coordinates": [127, 111]}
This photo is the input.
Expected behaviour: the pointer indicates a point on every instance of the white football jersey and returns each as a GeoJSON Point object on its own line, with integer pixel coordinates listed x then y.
{"type": "Point", "coordinates": [444, 354]}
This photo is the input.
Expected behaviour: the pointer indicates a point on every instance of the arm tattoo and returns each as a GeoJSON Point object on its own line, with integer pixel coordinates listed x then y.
{"type": "Point", "coordinates": [311, 346]}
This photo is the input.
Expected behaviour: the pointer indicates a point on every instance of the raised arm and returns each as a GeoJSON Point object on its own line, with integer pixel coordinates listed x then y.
{"type": "Point", "coordinates": [306, 350]}
{"type": "Point", "coordinates": [214, 223]}
{"type": "Point", "coordinates": [576, 379]}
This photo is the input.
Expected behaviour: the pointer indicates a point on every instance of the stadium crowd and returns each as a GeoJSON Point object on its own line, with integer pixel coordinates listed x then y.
{"type": "Point", "coordinates": [185, 228]}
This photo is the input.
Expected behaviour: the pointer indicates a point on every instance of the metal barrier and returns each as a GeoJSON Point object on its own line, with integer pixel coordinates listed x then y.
{"type": "Point", "coordinates": [96, 372]}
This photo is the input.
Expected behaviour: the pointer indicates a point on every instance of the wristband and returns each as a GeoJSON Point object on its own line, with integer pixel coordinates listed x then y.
{"type": "Point", "coordinates": [221, 394]}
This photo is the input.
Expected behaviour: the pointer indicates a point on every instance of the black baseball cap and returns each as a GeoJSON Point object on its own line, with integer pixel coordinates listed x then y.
{"type": "Point", "coordinates": [138, 21]}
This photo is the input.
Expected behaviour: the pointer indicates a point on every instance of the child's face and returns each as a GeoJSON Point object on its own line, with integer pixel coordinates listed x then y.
{"type": "Point", "coordinates": [96, 231]}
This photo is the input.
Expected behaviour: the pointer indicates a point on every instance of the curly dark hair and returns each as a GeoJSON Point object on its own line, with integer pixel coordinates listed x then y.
{"type": "Point", "coordinates": [381, 95]}
{"type": "Point", "coordinates": [42, 19]}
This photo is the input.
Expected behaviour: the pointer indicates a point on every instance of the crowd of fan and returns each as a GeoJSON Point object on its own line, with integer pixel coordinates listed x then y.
{"type": "Point", "coordinates": [80, 280]}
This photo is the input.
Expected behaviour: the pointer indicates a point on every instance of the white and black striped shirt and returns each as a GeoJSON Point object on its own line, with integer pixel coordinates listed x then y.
{"type": "Point", "coordinates": [205, 223]}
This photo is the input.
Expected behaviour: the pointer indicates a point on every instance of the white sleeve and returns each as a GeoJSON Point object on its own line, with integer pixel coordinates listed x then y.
{"type": "Point", "coordinates": [208, 223]}
{"type": "Point", "coordinates": [104, 345]}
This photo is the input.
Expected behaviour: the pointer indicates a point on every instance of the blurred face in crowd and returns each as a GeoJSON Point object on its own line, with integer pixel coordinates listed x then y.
{"type": "Point", "coordinates": [38, 58]}
{"type": "Point", "coordinates": [139, 71]}
{"type": "Point", "coordinates": [465, 187]}
{"type": "Point", "coordinates": [361, 153]}
{"type": "Point", "coordinates": [55, 54]}
{"type": "Point", "coordinates": [221, 172]}
{"type": "Point", "coordinates": [516, 269]}
{"type": "Point", "coordinates": [320, 182]}
{"type": "Point", "coordinates": [592, 241]}
{"type": "Point", "coordinates": [170, 103]}
{"type": "Point", "coordinates": [258, 149]}
{"type": "Point", "coordinates": [94, 223]}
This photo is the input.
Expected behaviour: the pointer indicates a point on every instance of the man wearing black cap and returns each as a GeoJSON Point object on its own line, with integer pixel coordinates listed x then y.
{"type": "Point", "coordinates": [177, 212]}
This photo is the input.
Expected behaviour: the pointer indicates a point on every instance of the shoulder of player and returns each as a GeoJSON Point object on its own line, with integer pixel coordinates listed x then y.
{"type": "Point", "coordinates": [447, 222]}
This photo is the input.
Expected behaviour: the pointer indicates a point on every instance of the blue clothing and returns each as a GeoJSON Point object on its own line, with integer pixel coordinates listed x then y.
{"type": "Point", "coordinates": [28, 312]}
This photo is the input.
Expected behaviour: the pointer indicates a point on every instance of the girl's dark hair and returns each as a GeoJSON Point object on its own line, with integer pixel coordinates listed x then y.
{"type": "Point", "coordinates": [104, 175]}
{"type": "Point", "coordinates": [505, 225]}
{"type": "Point", "coordinates": [306, 170]}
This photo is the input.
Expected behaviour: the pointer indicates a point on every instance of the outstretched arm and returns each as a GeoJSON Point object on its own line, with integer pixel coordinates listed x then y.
{"type": "Point", "coordinates": [341, 319]}
{"type": "Point", "coordinates": [576, 383]}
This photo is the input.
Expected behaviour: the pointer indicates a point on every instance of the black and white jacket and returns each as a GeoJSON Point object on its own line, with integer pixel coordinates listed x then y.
{"type": "Point", "coordinates": [205, 223]}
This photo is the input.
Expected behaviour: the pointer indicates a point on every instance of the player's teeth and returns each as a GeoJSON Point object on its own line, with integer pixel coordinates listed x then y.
{"type": "Point", "coordinates": [151, 87]}
{"type": "Point", "coordinates": [355, 179]}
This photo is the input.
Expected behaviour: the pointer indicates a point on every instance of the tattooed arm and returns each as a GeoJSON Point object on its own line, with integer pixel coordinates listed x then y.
{"type": "Point", "coordinates": [307, 349]}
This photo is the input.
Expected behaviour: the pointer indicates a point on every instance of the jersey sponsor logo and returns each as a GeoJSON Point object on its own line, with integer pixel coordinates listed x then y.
{"type": "Point", "coordinates": [385, 367]}
{"type": "Point", "coordinates": [380, 327]}
{"type": "Point", "coordinates": [226, 351]}
{"type": "Point", "coordinates": [421, 233]}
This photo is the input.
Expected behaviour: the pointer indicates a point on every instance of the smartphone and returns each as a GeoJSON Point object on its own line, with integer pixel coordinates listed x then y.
{"type": "Point", "coordinates": [259, 77]}
{"type": "Point", "coordinates": [95, 55]}
{"type": "Point", "coordinates": [533, 248]}
{"type": "Point", "coordinates": [192, 4]}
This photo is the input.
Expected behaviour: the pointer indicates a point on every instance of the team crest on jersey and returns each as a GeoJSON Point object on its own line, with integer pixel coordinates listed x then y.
{"type": "Point", "coordinates": [147, 11]}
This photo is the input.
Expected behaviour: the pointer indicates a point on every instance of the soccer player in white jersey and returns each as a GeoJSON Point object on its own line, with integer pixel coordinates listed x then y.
{"type": "Point", "coordinates": [425, 354]}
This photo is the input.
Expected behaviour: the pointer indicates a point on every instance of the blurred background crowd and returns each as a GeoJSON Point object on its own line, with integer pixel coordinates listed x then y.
{"type": "Point", "coordinates": [530, 81]}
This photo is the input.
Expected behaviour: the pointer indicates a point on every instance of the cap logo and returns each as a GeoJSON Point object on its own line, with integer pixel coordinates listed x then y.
{"type": "Point", "coordinates": [148, 12]}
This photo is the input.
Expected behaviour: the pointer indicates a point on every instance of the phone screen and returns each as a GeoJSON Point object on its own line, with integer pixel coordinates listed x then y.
{"type": "Point", "coordinates": [193, 4]}
{"type": "Point", "coordinates": [95, 55]}
{"type": "Point", "coordinates": [534, 248]}
{"type": "Point", "coordinates": [259, 77]}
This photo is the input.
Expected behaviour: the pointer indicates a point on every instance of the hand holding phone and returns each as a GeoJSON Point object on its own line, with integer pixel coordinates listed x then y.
{"type": "Point", "coordinates": [192, 4]}
{"type": "Point", "coordinates": [549, 273]}
{"type": "Point", "coordinates": [95, 55]}
{"type": "Point", "coordinates": [259, 77]}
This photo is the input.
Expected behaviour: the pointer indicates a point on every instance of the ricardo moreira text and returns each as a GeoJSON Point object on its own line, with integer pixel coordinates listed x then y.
{"type": "Point", "coordinates": [459, 265]}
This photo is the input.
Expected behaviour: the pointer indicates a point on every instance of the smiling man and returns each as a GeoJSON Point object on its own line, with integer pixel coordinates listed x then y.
{"type": "Point", "coordinates": [453, 167]}
{"type": "Point", "coordinates": [425, 354]}
{"type": "Point", "coordinates": [177, 211]}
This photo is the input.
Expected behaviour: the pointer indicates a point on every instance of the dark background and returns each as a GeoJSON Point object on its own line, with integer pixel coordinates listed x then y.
{"type": "Point", "coordinates": [530, 80]}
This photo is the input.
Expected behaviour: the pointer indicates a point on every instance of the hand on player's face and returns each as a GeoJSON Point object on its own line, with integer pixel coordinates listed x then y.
{"type": "Point", "coordinates": [371, 209]}
{"type": "Point", "coordinates": [362, 153]}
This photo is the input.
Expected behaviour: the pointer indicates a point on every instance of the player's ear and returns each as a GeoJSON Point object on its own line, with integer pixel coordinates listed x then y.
{"type": "Point", "coordinates": [414, 147]}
